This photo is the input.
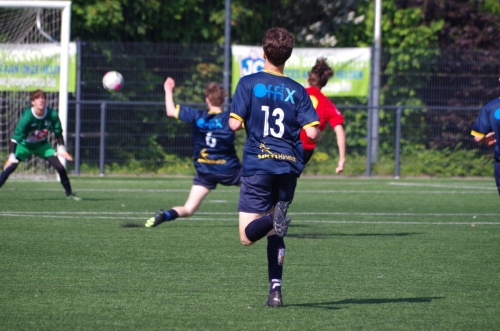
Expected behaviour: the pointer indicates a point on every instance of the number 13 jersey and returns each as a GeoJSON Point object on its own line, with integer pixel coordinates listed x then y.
{"type": "Point", "coordinates": [273, 108]}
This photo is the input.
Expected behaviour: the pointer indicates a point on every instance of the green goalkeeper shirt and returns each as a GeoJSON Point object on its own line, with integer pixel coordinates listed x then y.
{"type": "Point", "coordinates": [32, 131]}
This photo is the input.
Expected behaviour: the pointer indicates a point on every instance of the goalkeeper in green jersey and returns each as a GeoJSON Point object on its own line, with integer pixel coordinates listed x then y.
{"type": "Point", "coordinates": [30, 138]}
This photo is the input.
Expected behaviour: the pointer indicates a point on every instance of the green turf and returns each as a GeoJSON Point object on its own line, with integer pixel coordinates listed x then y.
{"type": "Point", "coordinates": [362, 254]}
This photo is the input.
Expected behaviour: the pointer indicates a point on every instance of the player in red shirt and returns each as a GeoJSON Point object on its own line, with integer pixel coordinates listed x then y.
{"type": "Point", "coordinates": [327, 112]}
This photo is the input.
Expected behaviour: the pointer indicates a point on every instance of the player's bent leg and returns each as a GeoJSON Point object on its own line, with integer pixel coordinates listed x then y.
{"type": "Point", "coordinates": [280, 221]}
{"type": "Point", "coordinates": [6, 173]}
{"type": "Point", "coordinates": [63, 175]}
{"type": "Point", "coordinates": [196, 196]}
{"type": "Point", "coordinates": [194, 200]}
{"type": "Point", "coordinates": [244, 222]}
{"type": "Point", "coordinates": [157, 219]}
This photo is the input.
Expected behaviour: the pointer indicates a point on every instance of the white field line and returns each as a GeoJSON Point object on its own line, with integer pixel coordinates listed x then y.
{"type": "Point", "coordinates": [125, 213]}
{"type": "Point", "coordinates": [455, 190]}
{"type": "Point", "coordinates": [142, 216]}
{"type": "Point", "coordinates": [441, 185]}
{"type": "Point", "coordinates": [142, 219]}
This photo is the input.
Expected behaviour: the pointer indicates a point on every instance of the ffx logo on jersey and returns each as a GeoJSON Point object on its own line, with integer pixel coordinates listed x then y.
{"type": "Point", "coordinates": [274, 92]}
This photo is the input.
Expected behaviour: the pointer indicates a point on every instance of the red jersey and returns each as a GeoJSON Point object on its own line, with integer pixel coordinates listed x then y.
{"type": "Point", "coordinates": [327, 113]}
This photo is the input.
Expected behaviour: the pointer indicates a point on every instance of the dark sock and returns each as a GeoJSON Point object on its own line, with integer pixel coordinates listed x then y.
{"type": "Point", "coordinates": [63, 175]}
{"type": "Point", "coordinates": [258, 229]}
{"type": "Point", "coordinates": [6, 173]}
{"type": "Point", "coordinates": [275, 259]}
{"type": "Point", "coordinates": [171, 214]}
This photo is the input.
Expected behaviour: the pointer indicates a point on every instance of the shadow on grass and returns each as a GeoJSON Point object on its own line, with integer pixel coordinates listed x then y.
{"type": "Point", "coordinates": [207, 225]}
{"type": "Point", "coordinates": [332, 304]}
{"type": "Point", "coordinates": [132, 225]}
{"type": "Point", "coordinates": [324, 236]}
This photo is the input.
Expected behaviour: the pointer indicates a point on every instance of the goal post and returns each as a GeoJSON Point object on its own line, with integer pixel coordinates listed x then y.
{"type": "Point", "coordinates": [23, 36]}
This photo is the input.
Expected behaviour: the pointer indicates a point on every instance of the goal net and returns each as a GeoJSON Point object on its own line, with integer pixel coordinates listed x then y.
{"type": "Point", "coordinates": [34, 42]}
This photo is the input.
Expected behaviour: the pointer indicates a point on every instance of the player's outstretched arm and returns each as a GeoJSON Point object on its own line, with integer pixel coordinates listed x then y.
{"type": "Point", "coordinates": [61, 149]}
{"type": "Point", "coordinates": [12, 155]}
{"type": "Point", "coordinates": [169, 86]}
{"type": "Point", "coordinates": [340, 133]}
{"type": "Point", "coordinates": [11, 160]}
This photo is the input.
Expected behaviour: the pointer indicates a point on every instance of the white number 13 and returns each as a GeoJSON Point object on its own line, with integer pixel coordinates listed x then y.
{"type": "Point", "coordinates": [278, 115]}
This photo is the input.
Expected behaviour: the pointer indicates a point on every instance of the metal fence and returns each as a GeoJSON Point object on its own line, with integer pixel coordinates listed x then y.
{"type": "Point", "coordinates": [428, 104]}
{"type": "Point", "coordinates": [118, 137]}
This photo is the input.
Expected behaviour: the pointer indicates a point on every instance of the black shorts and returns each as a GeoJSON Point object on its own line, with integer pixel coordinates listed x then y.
{"type": "Point", "coordinates": [210, 181]}
{"type": "Point", "coordinates": [307, 153]}
{"type": "Point", "coordinates": [259, 193]}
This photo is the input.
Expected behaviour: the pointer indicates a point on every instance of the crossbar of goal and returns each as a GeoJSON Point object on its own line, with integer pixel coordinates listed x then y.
{"type": "Point", "coordinates": [65, 7]}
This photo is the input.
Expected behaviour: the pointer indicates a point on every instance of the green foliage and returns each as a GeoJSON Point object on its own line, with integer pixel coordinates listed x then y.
{"type": "Point", "coordinates": [492, 6]}
{"type": "Point", "coordinates": [181, 21]}
{"type": "Point", "coordinates": [454, 162]}
{"type": "Point", "coordinates": [168, 165]}
{"type": "Point", "coordinates": [450, 162]}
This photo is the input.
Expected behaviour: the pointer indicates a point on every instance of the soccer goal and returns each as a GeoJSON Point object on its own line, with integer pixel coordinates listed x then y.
{"type": "Point", "coordinates": [34, 54]}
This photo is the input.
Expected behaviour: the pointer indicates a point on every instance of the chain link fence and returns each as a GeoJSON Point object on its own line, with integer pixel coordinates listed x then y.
{"type": "Point", "coordinates": [437, 92]}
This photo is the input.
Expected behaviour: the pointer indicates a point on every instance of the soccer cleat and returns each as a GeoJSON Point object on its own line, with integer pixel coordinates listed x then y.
{"type": "Point", "coordinates": [280, 222]}
{"type": "Point", "coordinates": [74, 197]}
{"type": "Point", "coordinates": [274, 299]}
{"type": "Point", "coordinates": [157, 219]}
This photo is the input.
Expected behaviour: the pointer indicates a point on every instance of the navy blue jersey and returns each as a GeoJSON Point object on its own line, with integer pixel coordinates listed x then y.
{"type": "Point", "coordinates": [489, 121]}
{"type": "Point", "coordinates": [213, 140]}
{"type": "Point", "coordinates": [273, 109]}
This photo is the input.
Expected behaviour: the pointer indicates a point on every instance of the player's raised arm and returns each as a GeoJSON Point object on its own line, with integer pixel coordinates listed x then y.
{"type": "Point", "coordinates": [169, 86]}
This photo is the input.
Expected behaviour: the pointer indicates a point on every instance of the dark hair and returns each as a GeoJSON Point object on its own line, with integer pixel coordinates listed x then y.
{"type": "Point", "coordinates": [37, 94]}
{"type": "Point", "coordinates": [278, 45]}
{"type": "Point", "coordinates": [320, 73]}
{"type": "Point", "coordinates": [215, 94]}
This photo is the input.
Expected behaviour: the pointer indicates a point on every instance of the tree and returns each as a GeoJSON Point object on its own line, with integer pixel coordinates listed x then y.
{"type": "Point", "coordinates": [180, 21]}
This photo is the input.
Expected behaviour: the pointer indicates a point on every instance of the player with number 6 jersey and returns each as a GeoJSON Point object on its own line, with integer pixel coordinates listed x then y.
{"type": "Point", "coordinates": [214, 155]}
{"type": "Point", "coordinates": [213, 140]}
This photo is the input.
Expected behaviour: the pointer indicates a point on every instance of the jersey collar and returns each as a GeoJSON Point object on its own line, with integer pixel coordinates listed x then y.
{"type": "Point", "coordinates": [39, 117]}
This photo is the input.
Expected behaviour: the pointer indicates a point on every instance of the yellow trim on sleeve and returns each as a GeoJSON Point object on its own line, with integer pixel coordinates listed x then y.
{"type": "Point", "coordinates": [315, 123]}
{"type": "Point", "coordinates": [177, 109]}
{"type": "Point", "coordinates": [477, 134]}
{"type": "Point", "coordinates": [314, 101]}
{"type": "Point", "coordinates": [233, 115]}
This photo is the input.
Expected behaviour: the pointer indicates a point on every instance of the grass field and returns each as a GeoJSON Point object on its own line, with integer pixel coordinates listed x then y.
{"type": "Point", "coordinates": [362, 254]}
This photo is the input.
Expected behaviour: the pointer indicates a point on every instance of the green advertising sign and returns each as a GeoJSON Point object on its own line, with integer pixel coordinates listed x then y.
{"type": "Point", "coordinates": [351, 66]}
{"type": "Point", "coordinates": [27, 67]}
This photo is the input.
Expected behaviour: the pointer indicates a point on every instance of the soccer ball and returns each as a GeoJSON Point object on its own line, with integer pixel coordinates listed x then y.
{"type": "Point", "coordinates": [112, 81]}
